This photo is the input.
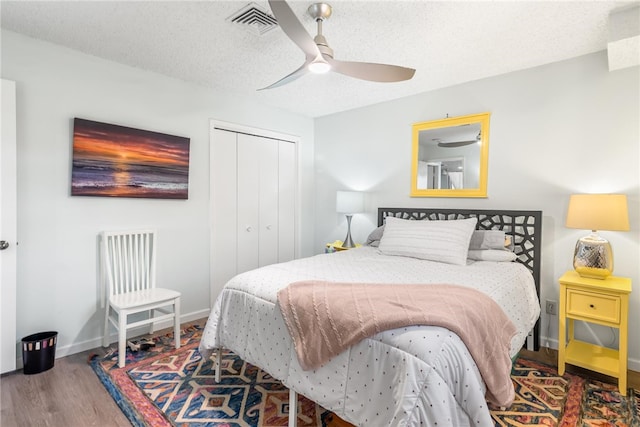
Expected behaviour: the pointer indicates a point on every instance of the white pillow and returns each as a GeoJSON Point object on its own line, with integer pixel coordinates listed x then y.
{"type": "Point", "coordinates": [499, 255]}
{"type": "Point", "coordinates": [443, 241]}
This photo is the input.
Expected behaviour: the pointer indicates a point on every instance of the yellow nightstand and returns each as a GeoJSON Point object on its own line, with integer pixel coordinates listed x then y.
{"type": "Point", "coordinates": [605, 302]}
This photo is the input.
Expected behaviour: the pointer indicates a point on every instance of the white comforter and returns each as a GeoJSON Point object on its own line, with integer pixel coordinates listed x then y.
{"type": "Point", "coordinates": [420, 375]}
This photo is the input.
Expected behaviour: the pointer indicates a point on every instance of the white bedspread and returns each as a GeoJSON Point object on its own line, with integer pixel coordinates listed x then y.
{"type": "Point", "coordinates": [419, 375]}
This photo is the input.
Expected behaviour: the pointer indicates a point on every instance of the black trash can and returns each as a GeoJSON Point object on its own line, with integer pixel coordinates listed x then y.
{"type": "Point", "coordinates": [39, 352]}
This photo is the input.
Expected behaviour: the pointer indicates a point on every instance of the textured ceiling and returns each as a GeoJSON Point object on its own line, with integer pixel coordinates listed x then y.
{"type": "Point", "coordinates": [446, 42]}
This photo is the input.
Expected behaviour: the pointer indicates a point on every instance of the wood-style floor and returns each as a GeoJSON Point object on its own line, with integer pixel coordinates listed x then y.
{"type": "Point", "coordinates": [68, 395]}
{"type": "Point", "coordinates": [71, 395]}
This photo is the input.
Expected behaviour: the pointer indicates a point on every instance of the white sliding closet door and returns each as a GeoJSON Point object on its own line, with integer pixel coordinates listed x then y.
{"type": "Point", "coordinates": [269, 202]}
{"type": "Point", "coordinates": [248, 233]}
{"type": "Point", "coordinates": [224, 211]}
{"type": "Point", "coordinates": [253, 203]}
{"type": "Point", "coordinates": [286, 200]}
{"type": "Point", "coordinates": [259, 200]}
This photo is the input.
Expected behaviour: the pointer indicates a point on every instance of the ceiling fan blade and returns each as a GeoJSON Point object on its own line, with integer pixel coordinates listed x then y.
{"type": "Point", "coordinates": [293, 28]}
{"type": "Point", "coordinates": [291, 77]}
{"type": "Point", "coordinates": [456, 144]}
{"type": "Point", "coordinates": [370, 71]}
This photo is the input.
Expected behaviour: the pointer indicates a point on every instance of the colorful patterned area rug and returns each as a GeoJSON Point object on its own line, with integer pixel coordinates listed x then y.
{"type": "Point", "coordinates": [167, 387]}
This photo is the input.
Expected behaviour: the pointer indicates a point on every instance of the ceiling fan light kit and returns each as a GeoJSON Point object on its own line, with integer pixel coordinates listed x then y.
{"type": "Point", "coordinates": [319, 56]}
{"type": "Point", "coordinates": [319, 65]}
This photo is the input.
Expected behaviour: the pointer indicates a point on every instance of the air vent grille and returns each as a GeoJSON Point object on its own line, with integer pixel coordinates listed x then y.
{"type": "Point", "coordinates": [253, 18]}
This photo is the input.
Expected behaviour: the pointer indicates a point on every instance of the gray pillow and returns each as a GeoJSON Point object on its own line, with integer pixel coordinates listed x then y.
{"type": "Point", "coordinates": [487, 239]}
{"type": "Point", "coordinates": [375, 236]}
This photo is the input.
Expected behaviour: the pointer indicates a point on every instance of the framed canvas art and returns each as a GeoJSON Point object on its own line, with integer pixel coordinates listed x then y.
{"type": "Point", "coordinates": [118, 161]}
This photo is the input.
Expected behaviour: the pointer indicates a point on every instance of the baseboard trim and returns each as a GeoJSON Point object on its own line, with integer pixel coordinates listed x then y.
{"type": "Point", "coordinates": [79, 347]}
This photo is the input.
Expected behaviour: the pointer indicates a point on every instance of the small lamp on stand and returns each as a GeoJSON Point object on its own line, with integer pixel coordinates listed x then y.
{"type": "Point", "coordinates": [349, 203]}
{"type": "Point", "coordinates": [593, 256]}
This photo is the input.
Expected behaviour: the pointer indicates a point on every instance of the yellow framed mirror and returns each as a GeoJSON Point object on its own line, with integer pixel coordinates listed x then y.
{"type": "Point", "coordinates": [450, 157]}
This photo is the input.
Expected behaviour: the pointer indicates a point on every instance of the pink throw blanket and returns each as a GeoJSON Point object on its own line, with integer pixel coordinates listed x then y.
{"type": "Point", "coordinates": [325, 318]}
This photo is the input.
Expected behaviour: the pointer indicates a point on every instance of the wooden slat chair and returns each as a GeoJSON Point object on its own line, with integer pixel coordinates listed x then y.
{"type": "Point", "coordinates": [128, 267]}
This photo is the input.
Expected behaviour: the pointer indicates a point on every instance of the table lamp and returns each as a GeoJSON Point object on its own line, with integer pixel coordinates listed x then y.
{"type": "Point", "coordinates": [593, 256]}
{"type": "Point", "coordinates": [349, 203]}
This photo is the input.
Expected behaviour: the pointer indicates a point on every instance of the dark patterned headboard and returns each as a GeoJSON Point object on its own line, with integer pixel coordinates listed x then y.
{"type": "Point", "coordinates": [524, 227]}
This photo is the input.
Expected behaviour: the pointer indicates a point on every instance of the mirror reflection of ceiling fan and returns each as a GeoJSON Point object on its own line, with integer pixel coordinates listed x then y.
{"type": "Point", "coordinates": [318, 54]}
{"type": "Point", "coordinates": [454, 144]}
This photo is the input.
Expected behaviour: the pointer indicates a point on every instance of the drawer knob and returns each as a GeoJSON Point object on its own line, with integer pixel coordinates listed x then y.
{"type": "Point", "coordinates": [592, 306]}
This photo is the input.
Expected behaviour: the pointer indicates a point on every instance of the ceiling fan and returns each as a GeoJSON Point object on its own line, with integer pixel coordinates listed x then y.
{"type": "Point", "coordinates": [454, 144]}
{"type": "Point", "coordinates": [319, 56]}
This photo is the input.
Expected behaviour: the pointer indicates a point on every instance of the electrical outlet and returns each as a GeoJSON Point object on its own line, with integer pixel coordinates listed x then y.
{"type": "Point", "coordinates": [552, 307]}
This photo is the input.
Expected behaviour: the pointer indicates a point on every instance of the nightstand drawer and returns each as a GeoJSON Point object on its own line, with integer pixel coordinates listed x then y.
{"type": "Point", "coordinates": [599, 307]}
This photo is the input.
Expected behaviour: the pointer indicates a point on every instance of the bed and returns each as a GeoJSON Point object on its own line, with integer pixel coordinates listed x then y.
{"type": "Point", "coordinates": [411, 375]}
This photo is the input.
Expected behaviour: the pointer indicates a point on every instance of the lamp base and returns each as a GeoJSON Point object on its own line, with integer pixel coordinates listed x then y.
{"type": "Point", "coordinates": [348, 241]}
{"type": "Point", "coordinates": [593, 257]}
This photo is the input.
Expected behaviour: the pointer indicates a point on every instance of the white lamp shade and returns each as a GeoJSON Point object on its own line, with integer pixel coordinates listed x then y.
{"type": "Point", "coordinates": [349, 202]}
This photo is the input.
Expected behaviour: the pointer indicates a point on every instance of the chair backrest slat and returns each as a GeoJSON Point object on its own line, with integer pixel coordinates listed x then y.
{"type": "Point", "coordinates": [128, 260]}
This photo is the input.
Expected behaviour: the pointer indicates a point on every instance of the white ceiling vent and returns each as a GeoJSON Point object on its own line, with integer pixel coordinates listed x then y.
{"type": "Point", "coordinates": [254, 18]}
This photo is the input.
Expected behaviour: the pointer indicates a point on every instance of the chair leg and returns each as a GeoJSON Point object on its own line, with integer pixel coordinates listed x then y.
{"type": "Point", "coordinates": [122, 339]}
{"type": "Point", "coordinates": [105, 335]}
{"type": "Point", "coordinates": [176, 322]}
{"type": "Point", "coordinates": [152, 313]}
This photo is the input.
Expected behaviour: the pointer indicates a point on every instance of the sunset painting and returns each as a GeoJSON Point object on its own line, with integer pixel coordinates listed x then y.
{"type": "Point", "coordinates": [117, 161]}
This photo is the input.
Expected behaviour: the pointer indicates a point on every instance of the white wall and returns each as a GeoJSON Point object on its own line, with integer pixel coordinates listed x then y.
{"type": "Point", "coordinates": [57, 287]}
{"type": "Point", "coordinates": [564, 128]}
